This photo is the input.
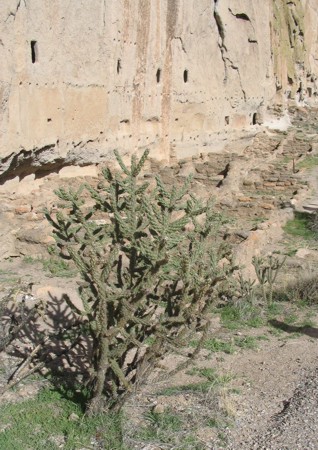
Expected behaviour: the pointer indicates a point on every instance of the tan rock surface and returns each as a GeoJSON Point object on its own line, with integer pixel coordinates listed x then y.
{"type": "Point", "coordinates": [81, 78]}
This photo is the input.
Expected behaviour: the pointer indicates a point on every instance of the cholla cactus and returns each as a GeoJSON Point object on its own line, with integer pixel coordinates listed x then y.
{"type": "Point", "coordinates": [149, 269]}
{"type": "Point", "coordinates": [267, 269]}
{"type": "Point", "coordinates": [247, 289]}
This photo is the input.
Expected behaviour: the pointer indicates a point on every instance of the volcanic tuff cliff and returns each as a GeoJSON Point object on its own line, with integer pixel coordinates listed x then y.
{"type": "Point", "coordinates": [82, 77]}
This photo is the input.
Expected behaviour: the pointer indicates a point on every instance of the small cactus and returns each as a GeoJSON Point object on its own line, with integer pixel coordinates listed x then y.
{"type": "Point", "coordinates": [267, 269]}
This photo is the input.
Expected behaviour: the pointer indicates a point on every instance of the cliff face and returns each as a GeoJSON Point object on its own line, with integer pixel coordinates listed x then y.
{"type": "Point", "coordinates": [294, 49]}
{"type": "Point", "coordinates": [82, 77]}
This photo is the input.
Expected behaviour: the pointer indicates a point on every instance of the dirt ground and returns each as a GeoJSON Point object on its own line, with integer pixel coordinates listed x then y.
{"type": "Point", "coordinates": [262, 386]}
{"type": "Point", "coordinates": [260, 382]}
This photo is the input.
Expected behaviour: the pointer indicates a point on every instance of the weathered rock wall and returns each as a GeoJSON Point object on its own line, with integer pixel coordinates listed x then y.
{"type": "Point", "coordinates": [294, 49]}
{"type": "Point", "coordinates": [82, 77]}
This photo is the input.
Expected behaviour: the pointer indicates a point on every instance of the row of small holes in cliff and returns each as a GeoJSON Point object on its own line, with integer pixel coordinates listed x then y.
{"type": "Point", "coordinates": [158, 73]}
{"type": "Point", "coordinates": [35, 57]}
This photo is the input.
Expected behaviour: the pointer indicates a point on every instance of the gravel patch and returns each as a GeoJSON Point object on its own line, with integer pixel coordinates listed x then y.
{"type": "Point", "coordinates": [296, 426]}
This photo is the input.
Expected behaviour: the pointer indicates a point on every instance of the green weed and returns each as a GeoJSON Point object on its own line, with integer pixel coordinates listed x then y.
{"type": "Point", "coordinates": [211, 375]}
{"type": "Point", "coordinates": [235, 317]}
{"type": "Point", "coordinates": [217, 422]}
{"type": "Point", "coordinates": [277, 332]}
{"type": "Point", "coordinates": [30, 260]}
{"type": "Point", "coordinates": [275, 309]}
{"type": "Point", "coordinates": [291, 251]}
{"type": "Point", "coordinates": [308, 162]}
{"type": "Point", "coordinates": [150, 340]}
{"type": "Point", "coordinates": [290, 318]}
{"type": "Point", "coordinates": [213, 380]}
{"type": "Point", "coordinates": [231, 316]}
{"type": "Point", "coordinates": [246, 342]}
{"type": "Point", "coordinates": [300, 226]}
{"type": "Point", "coordinates": [223, 438]}
{"type": "Point", "coordinates": [216, 345]}
{"type": "Point", "coordinates": [44, 422]}
{"type": "Point", "coordinates": [262, 337]}
{"type": "Point", "coordinates": [235, 391]}
{"type": "Point", "coordinates": [203, 387]}
{"type": "Point", "coordinates": [257, 221]}
{"type": "Point", "coordinates": [177, 429]}
{"type": "Point", "coordinates": [167, 419]}
{"type": "Point", "coordinates": [8, 276]}
{"type": "Point", "coordinates": [282, 161]}
{"type": "Point", "coordinates": [167, 428]}
{"type": "Point", "coordinates": [255, 322]}
{"type": "Point", "coordinates": [57, 267]}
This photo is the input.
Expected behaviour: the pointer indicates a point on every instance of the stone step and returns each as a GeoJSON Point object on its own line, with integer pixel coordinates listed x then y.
{"type": "Point", "coordinates": [311, 206]}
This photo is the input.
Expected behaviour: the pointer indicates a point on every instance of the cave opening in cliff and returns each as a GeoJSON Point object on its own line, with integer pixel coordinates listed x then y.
{"type": "Point", "coordinates": [185, 76]}
{"type": "Point", "coordinates": [158, 75]}
{"type": "Point", "coordinates": [34, 51]}
{"type": "Point", "coordinates": [118, 66]}
{"type": "Point", "coordinates": [227, 120]}
{"type": "Point", "coordinates": [254, 121]}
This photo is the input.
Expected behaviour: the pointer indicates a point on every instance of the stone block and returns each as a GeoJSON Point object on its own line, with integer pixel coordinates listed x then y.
{"type": "Point", "coordinates": [269, 184]}
{"type": "Point", "coordinates": [23, 209]}
{"type": "Point", "coordinates": [267, 206]}
{"type": "Point", "coordinates": [279, 188]}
